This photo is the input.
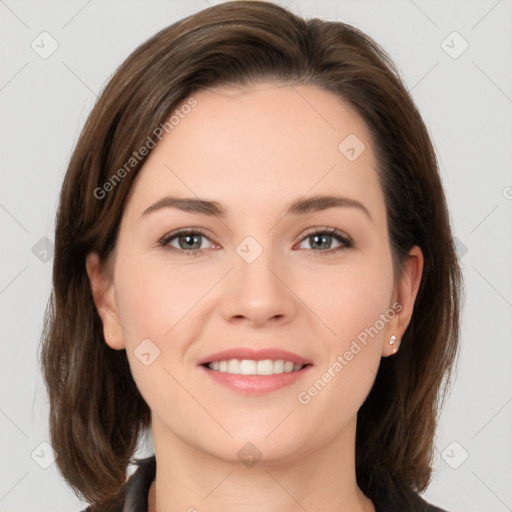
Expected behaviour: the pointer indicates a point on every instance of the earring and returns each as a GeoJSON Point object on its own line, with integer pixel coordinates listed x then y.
{"type": "Point", "coordinates": [392, 341]}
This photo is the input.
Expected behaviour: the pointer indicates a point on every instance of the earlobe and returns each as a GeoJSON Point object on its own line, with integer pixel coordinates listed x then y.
{"type": "Point", "coordinates": [102, 289]}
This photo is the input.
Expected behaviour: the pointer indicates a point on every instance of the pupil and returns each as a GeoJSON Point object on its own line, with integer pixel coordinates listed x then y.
{"type": "Point", "coordinates": [323, 243]}
{"type": "Point", "coordinates": [190, 241]}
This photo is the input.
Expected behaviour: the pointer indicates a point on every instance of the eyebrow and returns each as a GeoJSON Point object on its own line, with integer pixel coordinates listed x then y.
{"type": "Point", "coordinates": [214, 209]}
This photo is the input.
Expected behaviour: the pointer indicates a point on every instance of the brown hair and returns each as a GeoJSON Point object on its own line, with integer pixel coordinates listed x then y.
{"type": "Point", "coordinates": [96, 411]}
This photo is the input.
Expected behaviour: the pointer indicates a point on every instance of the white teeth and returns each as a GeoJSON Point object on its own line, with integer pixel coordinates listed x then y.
{"type": "Point", "coordinates": [251, 367]}
{"type": "Point", "coordinates": [248, 367]}
{"type": "Point", "coordinates": [278, 366]}
{"type": "Point", "coordinates": [233, 366]}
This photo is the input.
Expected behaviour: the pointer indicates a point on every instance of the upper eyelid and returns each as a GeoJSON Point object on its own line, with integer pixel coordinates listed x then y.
{"type": "Point", "coordinates": [325, 229]}
{"type": "Point", "coordinates": [178, 232]}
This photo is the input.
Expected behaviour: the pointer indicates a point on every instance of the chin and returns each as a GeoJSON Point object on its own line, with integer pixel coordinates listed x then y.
{"type": "Point", "coordinates": [256, 448]}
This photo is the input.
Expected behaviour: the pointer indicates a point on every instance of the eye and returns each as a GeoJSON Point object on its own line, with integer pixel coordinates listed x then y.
{"type": "Point", "coordinates": [185, 241]}
{"type": "Point", "coordinates": [192, 241]}
{"type": "Point", "coordinates": [321, 240]}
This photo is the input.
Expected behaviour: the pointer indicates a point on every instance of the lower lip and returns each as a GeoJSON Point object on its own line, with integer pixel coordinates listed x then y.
{"type": "Point", "coordinates": [256, 384]}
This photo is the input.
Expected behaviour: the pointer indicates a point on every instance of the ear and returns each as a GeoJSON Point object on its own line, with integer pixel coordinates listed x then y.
{"type": "Point", "coordinates": [103, 293]}
{"type": "Point", "coordinates": [405, 294]}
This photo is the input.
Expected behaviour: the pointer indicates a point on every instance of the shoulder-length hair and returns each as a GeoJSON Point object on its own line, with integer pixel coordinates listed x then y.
{"type": "Point", "coordinates": [97, 414]}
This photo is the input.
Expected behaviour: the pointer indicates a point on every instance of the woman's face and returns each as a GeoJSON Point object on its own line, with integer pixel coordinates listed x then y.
{"type": "Point", "coordinates": [280, 269]}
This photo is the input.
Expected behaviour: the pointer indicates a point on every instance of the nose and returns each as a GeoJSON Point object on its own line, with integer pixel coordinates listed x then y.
{"type": "Point", "coordinates": [258, 293]}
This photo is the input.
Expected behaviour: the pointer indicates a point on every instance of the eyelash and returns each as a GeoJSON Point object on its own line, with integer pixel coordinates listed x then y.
{"type": "Point", "coordinates": [332, 232]}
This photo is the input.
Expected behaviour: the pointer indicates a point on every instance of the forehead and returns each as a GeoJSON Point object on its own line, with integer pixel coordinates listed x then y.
{"type": "Point", "coordinates": [257, 145]}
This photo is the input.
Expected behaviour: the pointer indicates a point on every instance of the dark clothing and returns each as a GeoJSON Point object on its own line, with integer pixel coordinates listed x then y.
{"type": "Point", "coordinates": [140, 482]}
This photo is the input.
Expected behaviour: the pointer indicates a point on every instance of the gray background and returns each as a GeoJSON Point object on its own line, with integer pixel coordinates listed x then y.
{"type": "Point", "coordinates": [467, 104]}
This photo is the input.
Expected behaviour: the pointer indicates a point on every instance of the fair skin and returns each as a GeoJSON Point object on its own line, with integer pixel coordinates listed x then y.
{"type": "Point", "coordinates": [255, 151]}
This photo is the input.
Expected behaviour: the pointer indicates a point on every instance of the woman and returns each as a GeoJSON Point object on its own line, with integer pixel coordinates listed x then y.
{"type": "Point", "coordinates": [253, 258]}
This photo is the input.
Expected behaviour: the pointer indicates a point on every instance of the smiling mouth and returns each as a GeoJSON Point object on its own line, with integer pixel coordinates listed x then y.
{"type": "Point", "coordinates": [255, 367]}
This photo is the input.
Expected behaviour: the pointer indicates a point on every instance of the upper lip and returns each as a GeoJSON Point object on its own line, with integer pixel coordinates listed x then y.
{"type": "Point", "coordinates": [255, 354]}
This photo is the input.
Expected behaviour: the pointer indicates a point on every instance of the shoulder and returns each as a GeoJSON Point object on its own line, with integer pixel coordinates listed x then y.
{"type": "Point", "coordinates": [412, 502]}
{"type": "Point", "coordinates": [424, 506]}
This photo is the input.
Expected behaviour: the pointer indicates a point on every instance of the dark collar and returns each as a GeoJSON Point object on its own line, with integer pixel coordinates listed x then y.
{"type": "Point", "coordinates": [140, 481]}
{"type": "Point", "coordinates": [138, 486]}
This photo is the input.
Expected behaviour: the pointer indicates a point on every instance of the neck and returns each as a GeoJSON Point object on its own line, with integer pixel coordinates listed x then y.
{"type": "Point", "coordinates": [192, 480]}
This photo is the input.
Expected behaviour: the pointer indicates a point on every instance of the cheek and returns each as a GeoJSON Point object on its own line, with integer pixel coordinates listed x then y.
{"type": "Point", "coordinates": [357, 297]}
{"type": "Point", "coordinates": [349, 299]}
{"type": "Point", "coordinates": [157, 304]}
{"type": "Point", "coordinates": [150, 306]}
{"type": "Point", "coordinates": [153, 297]}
